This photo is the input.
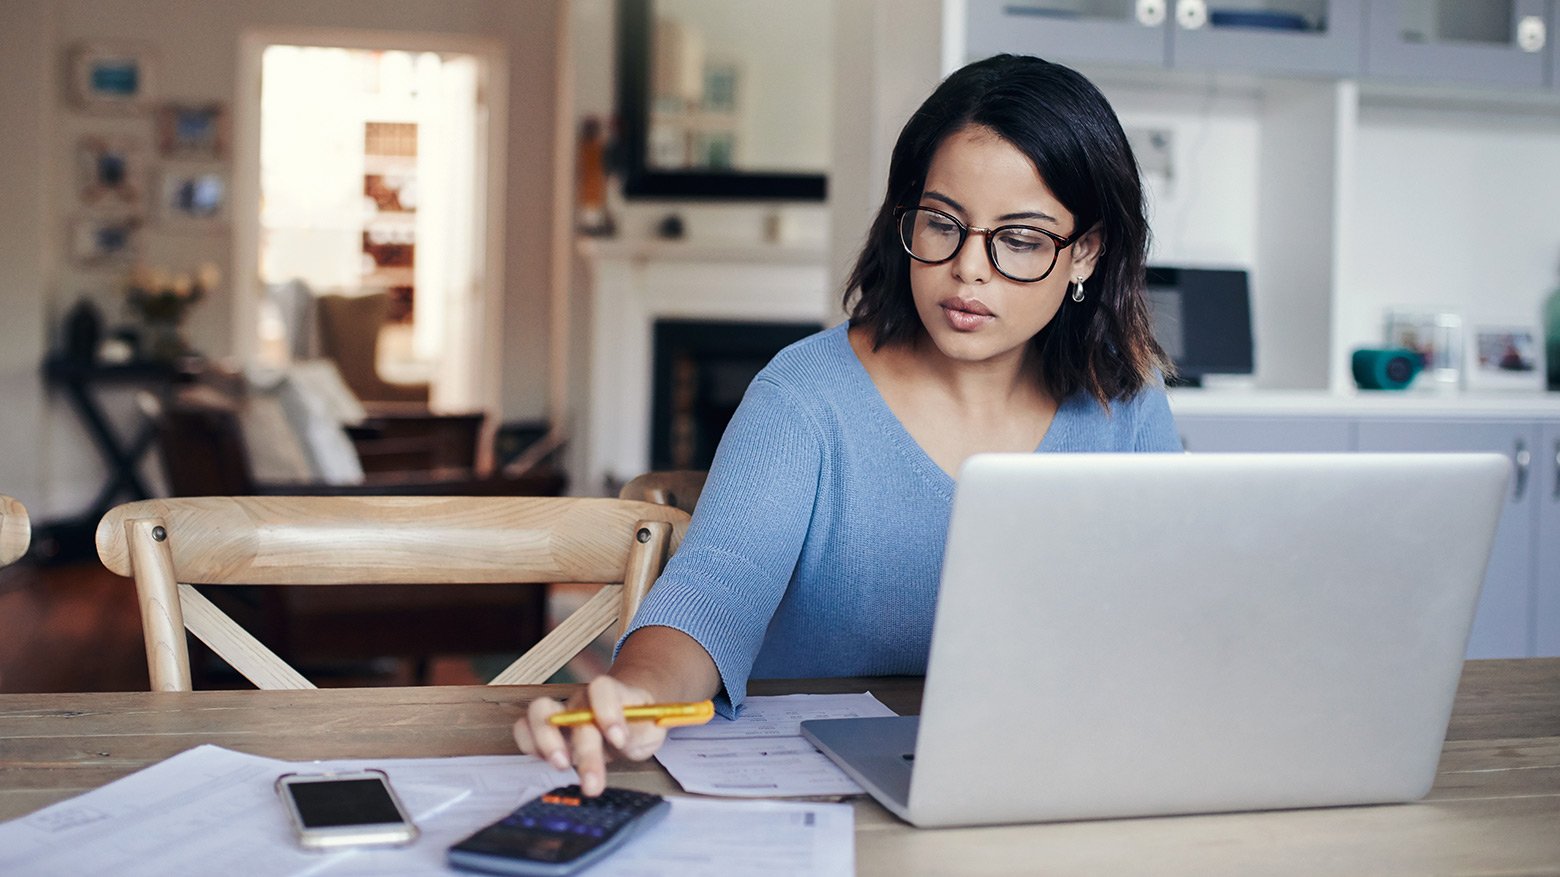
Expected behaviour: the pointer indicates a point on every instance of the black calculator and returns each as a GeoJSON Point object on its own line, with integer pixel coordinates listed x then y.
{"type": "Point", "coordinates": [559, 832]}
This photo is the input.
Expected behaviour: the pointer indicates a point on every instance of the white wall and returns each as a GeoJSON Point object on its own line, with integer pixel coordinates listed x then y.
{"type": "Point", "coordinates": [1455, 210]}
{"type": "Point", "coordinates": [888, 57]}
{"type": "Point", "coordinates": [1204, 212]}
{"type": "Point", "coordinates": [25, 31]}
{"type": "Point", "coordinates": [792, 132]}
{"type": "Point", "coordinates": [195, 48]}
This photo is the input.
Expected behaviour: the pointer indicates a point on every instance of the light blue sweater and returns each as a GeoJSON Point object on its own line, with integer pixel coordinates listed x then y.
{"type": "Point", "coordinates": [818, 540]}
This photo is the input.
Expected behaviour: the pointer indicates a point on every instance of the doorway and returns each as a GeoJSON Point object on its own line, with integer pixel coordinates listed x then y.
{"type": "Point", "coordinates": [368, 201]}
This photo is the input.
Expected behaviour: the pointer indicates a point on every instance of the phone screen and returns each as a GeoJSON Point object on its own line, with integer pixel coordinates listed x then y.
{"type": "Point", "coordinates": [343, 802]}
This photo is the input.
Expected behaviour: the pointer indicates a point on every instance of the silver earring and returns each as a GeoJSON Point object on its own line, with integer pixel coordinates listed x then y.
{"type": "Point", "coordinates": [1077, 293]}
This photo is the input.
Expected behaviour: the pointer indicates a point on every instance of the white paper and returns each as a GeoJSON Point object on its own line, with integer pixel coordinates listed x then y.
{"type": "Point", "coordinates": [214, 811]}
{"type": "Point", "coordinates": [207, 810]}
{"type": "Point", "coordinates": [709, 838]}
{"type": "Point", "coordinates": [761, 753]}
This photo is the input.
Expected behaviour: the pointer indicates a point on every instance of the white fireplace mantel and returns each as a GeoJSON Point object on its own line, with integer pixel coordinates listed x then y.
{"type": "Point", "coordinates": [633, 284]}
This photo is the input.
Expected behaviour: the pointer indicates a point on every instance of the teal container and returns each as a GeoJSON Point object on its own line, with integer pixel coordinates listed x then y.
{"type": "Point", "coordinates": [1392, 368]}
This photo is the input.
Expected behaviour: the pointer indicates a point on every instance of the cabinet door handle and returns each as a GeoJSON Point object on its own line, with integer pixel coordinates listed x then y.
{"type": "Point", "coordinates": [1524, 459]}
{"type": "Point", "coordinates": [1151, 13]}
{"type": "Point", "coordinates": [1191, 14]}
{"type": "Point", "coordinates": [1531, 35]}
{"type": "Point", "coordinates": [1557, 469]}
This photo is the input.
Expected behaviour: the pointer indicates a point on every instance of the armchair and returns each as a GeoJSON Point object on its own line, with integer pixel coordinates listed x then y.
{"type": "Point", "coordinates": [349, 328]}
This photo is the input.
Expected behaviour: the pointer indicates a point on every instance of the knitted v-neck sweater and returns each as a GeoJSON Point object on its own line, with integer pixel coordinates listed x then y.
{"type": "Point", "coordinates": [818, 539]}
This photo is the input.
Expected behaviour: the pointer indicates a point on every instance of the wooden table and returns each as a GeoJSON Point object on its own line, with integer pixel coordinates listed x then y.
{"type": "Point", "coordinates": [1495, 808]}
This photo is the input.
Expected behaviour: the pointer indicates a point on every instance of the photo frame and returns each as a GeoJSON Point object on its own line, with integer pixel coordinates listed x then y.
{"type": "Point", "coordinates": [1437, 338]}
{"type": "Point", "coordinates": [1509, 357]}
{"type": "Point", "coordinates": [193, 196]}
{"type": "Point", "coordinates": [112, 77]}
{"type": "Point", "coordinates": [192, 130]}
{"type": "Point", "coordinates": [104, 240]}
{"type": "Point", "coordinates": [111, 170]}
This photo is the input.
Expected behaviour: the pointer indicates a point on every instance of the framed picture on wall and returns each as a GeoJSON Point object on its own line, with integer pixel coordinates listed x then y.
{"type": "Point", "coordinates": [104, 240]}
{"type": "Point", "coordinates": [191, 130]}
{"type": "Point", "coordinates": [111, 170]}
{"type": "Point", "coordinates": [115, 77]}
{"type": "Point", "coordinates": [193, 196]}
{"type": "Point", "coordinates": [1505, 358]}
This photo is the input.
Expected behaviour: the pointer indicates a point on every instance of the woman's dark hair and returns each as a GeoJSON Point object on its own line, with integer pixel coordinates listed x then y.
{"type": "Point", "coordinates": [1056, 117]}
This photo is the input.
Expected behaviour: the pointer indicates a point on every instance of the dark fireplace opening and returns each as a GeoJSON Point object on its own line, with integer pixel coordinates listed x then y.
{"type": "Point", "coordinates": [702, 368]}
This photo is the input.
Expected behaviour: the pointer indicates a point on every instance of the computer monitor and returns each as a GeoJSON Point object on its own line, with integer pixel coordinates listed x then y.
{"type": "Point", "coordinates": [1202, 318]}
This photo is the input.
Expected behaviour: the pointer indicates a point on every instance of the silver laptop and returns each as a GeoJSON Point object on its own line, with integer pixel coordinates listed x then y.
{"type": "Point", "coordinates": [1148, 634]}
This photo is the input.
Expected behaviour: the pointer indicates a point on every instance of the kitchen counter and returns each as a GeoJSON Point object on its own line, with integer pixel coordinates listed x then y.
{"type": "Point", "coordinates": [1486, 405]}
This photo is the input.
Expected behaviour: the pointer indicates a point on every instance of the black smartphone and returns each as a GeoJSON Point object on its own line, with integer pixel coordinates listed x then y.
{"type": "Point", "coordinates": [332, 810]}
{"type": "Point", "coordinates": [559, 832]}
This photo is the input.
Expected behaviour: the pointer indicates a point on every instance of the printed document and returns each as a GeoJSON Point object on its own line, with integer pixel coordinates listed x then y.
{"type": "Point", "coordinates": [761, 753]}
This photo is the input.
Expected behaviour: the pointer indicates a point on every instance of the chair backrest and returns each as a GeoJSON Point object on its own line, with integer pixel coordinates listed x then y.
{"type": "Point", "coordinates": [15, 530]}
{"type": "Point", "coordinates": [678, 488]}
{"type": "Point", "coordinates": [168, 545]}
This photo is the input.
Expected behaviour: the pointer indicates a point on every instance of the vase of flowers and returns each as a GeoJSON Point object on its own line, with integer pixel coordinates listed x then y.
{"type": "Point", "coordinates": [160, 301]}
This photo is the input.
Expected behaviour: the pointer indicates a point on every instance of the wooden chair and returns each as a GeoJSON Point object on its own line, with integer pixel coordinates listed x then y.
{"type": "Point", "coordinates": [678, 488]}
{"type": "Point", "coordinates": [168, 545]}
{"type": "Point", "coordinates": [347, 629]}
{"type": "Point", "coordinates": [15, 530]}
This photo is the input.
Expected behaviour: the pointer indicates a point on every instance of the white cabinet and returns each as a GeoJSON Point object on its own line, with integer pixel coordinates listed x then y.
{"type": "Point", "coordinates": [1503, 627]}
{"type": "Point", "coordinates": [1305, 37]}
{"type": "Point", "coordinates": [1546, 494]}
{"type": "Point", "coordinates": [1266, 434]}
{"type": "Point", "coordinates": [1519, 608]}
{"type": "Point", "coordinates": [1491, 43]}
{"type": "Point", "coordinates": [1500, 43]}
{"type": "Point", "coordinates": [1082, 30]}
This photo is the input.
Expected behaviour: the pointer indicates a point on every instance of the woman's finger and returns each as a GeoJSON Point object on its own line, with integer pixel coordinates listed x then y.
{"type": "Point", "coordinates": [538, 737]}
{"type": "Point", "coordinates": [589, 759]}
{"type": "Point", "coordinates": [644, 738]}
{"type": "Point", "coordinates": [606, 701]}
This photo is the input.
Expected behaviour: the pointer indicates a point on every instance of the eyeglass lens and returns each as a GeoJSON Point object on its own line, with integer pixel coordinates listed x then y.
{"type": "Point", "coordinates": [1019, 252]}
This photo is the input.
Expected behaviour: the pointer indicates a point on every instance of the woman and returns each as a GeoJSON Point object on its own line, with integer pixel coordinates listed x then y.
{"type": "Point", "coordinates": [998, 305]}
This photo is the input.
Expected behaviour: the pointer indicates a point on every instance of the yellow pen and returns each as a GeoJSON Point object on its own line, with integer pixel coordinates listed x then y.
{"type": "Point", "coordinates": [666, 715]}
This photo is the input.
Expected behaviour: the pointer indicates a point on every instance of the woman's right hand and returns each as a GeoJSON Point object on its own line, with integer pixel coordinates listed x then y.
{"type": "Point", "coordinates": [589, 746]}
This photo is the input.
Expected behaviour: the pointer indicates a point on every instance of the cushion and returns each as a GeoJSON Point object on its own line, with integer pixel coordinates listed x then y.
{"type": "Point", "coordinates": [276, 453]}
{"type": "Point", "coordinates": [302, 401]}
{"type": "Point", "coordinates": [321, 378]}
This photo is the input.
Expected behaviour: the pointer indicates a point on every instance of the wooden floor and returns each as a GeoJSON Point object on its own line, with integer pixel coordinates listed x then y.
{"type": "Point", "coordinates": [75, 627]}
{"type": "Point", "coordinates": [72, 627]}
